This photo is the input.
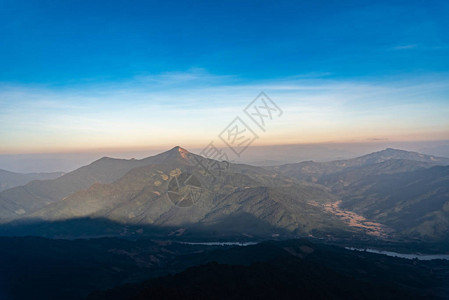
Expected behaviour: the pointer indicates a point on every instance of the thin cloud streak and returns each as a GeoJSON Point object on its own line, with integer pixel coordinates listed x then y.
{"type": "Point", "coordinates": [405, 47]}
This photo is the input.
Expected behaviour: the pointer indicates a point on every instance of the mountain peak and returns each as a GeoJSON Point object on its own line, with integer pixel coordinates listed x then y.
{"type": "Point", "coordinates": [394, 150]}
{"type": "Point", "coordinates": [178, 148]}
{"type": "Point", "coordinates": [395, 153]}
{"type": "Point", "coordinates": [391, 153]}
{"type": "Point", "coordinates": [178, 151]}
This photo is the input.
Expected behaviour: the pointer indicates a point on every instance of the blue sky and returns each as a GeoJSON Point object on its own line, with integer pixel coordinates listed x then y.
{"type": "Point", "coordinates": [93, 74]}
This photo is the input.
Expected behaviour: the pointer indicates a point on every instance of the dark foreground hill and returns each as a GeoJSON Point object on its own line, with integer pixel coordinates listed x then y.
{"type": "Point", "coordinates": [38, 268]}
{"type": "Point", "coordinates": [295, 269]}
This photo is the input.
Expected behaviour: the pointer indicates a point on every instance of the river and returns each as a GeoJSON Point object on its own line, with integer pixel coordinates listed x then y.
{"type": "Point", "coordinates": [403, 255]}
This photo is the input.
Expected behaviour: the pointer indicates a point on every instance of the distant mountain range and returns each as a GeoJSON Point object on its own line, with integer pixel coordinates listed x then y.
{"type": "Point", "coordinates": [12, 179]}
{"type": "Point", "coordinates": [391, 193]}
{"type": "Point", "coordinates": [312, 171]}
{"type": "Point", "coordinates": [415, 203]}
{"type": "Point", "coordinates": [244, 199]}
{"type": "Point", "coordinates": [406, 191]}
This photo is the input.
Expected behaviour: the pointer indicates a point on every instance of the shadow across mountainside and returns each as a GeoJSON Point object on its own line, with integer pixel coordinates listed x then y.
{"type": "Point", "coordinates": [242, 226]}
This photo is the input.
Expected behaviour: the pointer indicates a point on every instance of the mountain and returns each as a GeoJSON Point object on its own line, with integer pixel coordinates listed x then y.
{"type": "Point", "coordinates": [312, 171]}
{"type": "Point", "coordinates": [21, 200]}
{"type": "Point", "coordinates": [11, 179]}
{"type": "Point", "coordinates": [338, 180]}
{"type": "Point", "coordinates": [173, 191]}
{"type": "Point", "coordinates": [405, 191]}
{"type": "Point", "coordinates": [390, 153]}
{"type": "Point", "coordinates": [243, 199]}
{"type": "Point", "coordinates": [413, 203]}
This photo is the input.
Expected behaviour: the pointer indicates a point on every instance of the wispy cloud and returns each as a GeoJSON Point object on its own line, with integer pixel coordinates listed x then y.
{"type": "Point", "coordinates": [405, 47]}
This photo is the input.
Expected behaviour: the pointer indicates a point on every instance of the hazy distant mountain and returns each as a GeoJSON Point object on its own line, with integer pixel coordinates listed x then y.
{"type": "Point", "coordinates": [390, 153]}
{"type": "Point", "coordinates": [341, 179]}
{"type": "Point", "coordinates": [312, 171]}
{"type": "Point", "coordinates": [11, 179]}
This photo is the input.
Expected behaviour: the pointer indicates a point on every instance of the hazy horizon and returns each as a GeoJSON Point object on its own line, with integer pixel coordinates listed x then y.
{"type": "Point", "coordinates": [255, 155]}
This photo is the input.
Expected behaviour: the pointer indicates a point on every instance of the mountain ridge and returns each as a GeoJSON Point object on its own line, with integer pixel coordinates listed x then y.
{"type": "Point", "coordinates": [41, 193]}
{"type": "Point", "coordinates": [311, 170]}
{"type": "Point", "coordinates": [136, 192]}
{"type": "Point", "coordinates": [10, 179]}
{"type": "Point", "coordinates": [140, 197]}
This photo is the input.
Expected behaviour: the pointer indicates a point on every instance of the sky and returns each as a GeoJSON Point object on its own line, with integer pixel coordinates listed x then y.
{"type": "Point", "coordinates": [99, 75]}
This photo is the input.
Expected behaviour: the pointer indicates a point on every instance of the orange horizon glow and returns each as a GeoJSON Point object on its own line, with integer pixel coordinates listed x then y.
{"type": "Point", "coordinates": [157, 148]}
